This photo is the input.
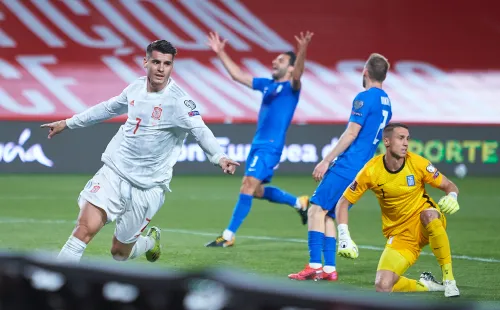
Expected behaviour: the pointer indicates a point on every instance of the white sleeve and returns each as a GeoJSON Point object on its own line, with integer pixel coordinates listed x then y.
{"type": "Point", "coordinates": [189, 119]}
{"type": "Point", "coordinates": [100, 112]}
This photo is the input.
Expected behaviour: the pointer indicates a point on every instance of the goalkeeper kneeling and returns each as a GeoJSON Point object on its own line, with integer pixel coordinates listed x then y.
{"type": "Point", "coordinates": [410, 218]}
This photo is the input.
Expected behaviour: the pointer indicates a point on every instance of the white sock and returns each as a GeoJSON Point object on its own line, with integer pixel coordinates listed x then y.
{"type": "Point", "coordinates": [329, 269]}
{"type": "Point", "coordinates": [298, 205]}
{"type": "Point", "coordinates": [228, 235]}
{"type": "Point", "coordinates": [141, 246]}
{"type": "Point", "coordinates": [315, 265]}
{"type": "Point", "coordinates": [72, 251]}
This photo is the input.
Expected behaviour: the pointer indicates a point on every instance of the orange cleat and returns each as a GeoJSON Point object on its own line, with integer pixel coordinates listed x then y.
{"type": "Point", "coordinates": [307, 274]}
{"type": "Point", "coordinates": [332, 276]}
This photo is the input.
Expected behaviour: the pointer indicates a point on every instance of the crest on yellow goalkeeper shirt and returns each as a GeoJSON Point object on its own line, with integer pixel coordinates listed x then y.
{"type": "Point", "coordinates": [401, 194]}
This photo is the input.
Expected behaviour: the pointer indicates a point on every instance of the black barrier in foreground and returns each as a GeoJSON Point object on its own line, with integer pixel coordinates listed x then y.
{"type": "Point", "coordinates": [38, 282]}
{"type": "Point", "coordinates": [24, 148]}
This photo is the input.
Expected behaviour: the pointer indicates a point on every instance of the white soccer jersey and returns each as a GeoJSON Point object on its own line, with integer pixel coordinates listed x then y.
{"type": "Point", "coordinates": [147, 146]}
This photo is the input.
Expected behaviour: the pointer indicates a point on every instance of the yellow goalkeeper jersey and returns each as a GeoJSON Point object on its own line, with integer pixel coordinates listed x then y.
{"type": "Point", "coordinates": [401, 194]}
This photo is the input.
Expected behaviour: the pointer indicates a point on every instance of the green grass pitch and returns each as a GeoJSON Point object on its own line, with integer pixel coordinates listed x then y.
{"type": "Point", "coordinates": [37, 213]}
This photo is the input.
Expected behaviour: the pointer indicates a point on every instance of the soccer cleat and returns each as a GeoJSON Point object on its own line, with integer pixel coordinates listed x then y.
{"type": "Point", "coordinates": [304, 202]}
{"type": "Point", "coordinates": [427, 279]}
{"type": "Point", "coordinates": [307, 274]}
{"type": "Point", "coordinates": [153, 254]}
{"type": "Point", "coordinates": [451, 289]}
{"type": "Point", "coordinates": [220, 242]}
{"type": "Point", "coordinates": [324, 276]}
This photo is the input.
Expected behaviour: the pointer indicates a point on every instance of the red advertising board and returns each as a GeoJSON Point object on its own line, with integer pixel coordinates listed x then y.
{"type": "Point", "coordinates": [59, 57]}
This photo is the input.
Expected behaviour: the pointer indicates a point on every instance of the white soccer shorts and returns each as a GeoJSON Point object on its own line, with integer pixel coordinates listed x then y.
{"type": "Point", "coordinates": [132, 208]}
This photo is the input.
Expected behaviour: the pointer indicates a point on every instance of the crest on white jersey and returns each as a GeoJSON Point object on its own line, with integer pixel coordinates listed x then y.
{"type": "Point", "coordinates": [156, 113]}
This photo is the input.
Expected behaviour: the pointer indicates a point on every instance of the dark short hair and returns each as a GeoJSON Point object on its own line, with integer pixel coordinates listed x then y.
{"type": "Point", "coordinates": [389, 128]}
{"type": "Point", "coordinates": [162, 46]}
{"type": "Point", "coordinates": [292, 57]}
{"type": "Point", "coordinates": [377, 67]}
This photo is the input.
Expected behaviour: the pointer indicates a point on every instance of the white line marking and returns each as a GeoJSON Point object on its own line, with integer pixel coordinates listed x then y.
{"type": "Point", "coordinates": [7, 220]}
{"type": "Point", "coordinates": [293, 240]}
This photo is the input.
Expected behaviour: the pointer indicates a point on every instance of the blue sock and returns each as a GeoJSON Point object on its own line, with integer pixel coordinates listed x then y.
{"type": "Point", "coordinates": [240, 212]}
{"type": "Point", "coordinates": [329, 249]}
{"type": "Point", "coordinates": [274, 194]}
{"type": "Point", "coordinates": [315, 242]}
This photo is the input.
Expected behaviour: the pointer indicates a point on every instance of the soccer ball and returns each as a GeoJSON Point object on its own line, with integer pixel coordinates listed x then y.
{"type": "Point", "coordinates": [461, 171]}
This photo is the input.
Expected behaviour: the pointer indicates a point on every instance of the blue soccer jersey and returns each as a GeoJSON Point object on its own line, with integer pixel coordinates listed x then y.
{"type": "Point", "coordinates": [372, 110]}
{"type": "Point", "coordinates": [276, 112]}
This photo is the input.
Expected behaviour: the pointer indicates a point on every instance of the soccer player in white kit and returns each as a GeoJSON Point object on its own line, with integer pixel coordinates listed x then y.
{"type": "Point", "coordinates": [130, 187]}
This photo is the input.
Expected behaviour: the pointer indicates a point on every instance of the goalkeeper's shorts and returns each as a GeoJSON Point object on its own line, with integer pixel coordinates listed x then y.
{"type": "Point", "coordinates": [402, 250]}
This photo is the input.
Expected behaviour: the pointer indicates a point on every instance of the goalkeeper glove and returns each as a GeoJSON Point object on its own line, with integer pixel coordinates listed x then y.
{"type": "Point", "coordinates": [449, 204]}
{"type": "Point", "coordinates": [347, 247]}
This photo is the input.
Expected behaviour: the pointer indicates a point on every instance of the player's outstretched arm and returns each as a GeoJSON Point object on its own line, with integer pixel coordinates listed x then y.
{"type": "Point", "coordinates": [344, 142]}
{"type": "Point", "coordinates": [103, 111]}
{"type": "Point", "coordinates": [232, 68]}
{"type": "Point", "coordinates": [449, 203]}
{"type": "Point", "coordinates": [55, 127]}
{"type": "Point", "coordinates": [302, 43]}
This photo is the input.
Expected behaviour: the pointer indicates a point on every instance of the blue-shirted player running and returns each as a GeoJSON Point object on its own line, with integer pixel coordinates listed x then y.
{"type": "Point", "coordinates": [371, 111]}
{"type": "Point", "coordinates": [280, 98]}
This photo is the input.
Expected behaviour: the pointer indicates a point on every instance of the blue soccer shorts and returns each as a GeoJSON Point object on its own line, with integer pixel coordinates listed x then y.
{"type": "Point", "coordinates": [329, 191]}
{"type": "Point", "coordinates": [261, 164]}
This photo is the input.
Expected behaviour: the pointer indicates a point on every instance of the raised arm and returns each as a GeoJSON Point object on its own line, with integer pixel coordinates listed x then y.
{"type": "Point", "coordinates": [232, 68]}
{"type": "Point", "coordinates": [302, 43]}
{"type": "Point", "coordinates": [100, 112]}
